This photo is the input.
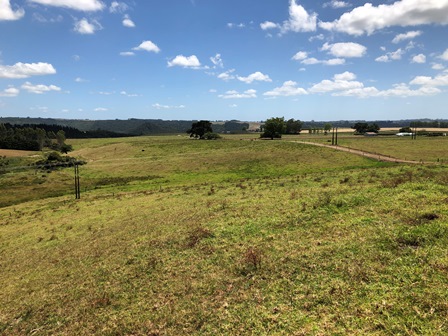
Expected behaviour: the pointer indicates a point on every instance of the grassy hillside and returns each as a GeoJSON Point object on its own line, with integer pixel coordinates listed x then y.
{"type": "Point", "coordinates": [180, 237]}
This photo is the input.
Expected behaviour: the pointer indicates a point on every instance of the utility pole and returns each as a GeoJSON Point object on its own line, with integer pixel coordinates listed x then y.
{"type": "Point", "coordinates": [334, 137]}
{"type": "Point", "coordinates": [77, 185]}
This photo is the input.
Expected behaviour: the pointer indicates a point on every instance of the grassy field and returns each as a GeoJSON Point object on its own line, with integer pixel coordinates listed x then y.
{"type": "Point", "coordinates": [428, 149]}
{"type": "Point", "coordinates": [233, 237]}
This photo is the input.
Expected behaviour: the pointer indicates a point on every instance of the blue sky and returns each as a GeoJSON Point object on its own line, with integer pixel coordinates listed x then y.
{"type": "Point", "coordinates": [224, 59]}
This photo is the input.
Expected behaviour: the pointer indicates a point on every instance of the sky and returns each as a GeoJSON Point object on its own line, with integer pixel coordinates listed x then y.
{"type": "Point", "coordinates": [247, 60]}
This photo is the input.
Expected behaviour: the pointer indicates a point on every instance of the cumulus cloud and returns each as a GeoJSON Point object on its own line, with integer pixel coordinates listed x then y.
{"type": "Point", "coordinates": [256, 76]}
{"type": "Point", "coordinates": [147, 46]}
{"type": "Point", "coordinates": [407, 36]}
{"type": "Point", "coordinates": [301, 55]}
{"type": "Point", "coordinates": [80, 5]}
{"type": "Point", "coordinates": [268, 25]}
{"type": "Point", "coordinates": [404, 13]}
{"type": "Point", "coordinates": [85, 27]}
{"type": "Point", "coordinates": [289, 88]}
{"type": "Point", "coordinates": [127, 22]}
{"type": "Point", "coordinates": [391, 56]}
{"type": "Point", "coordinates": [226, 76]}
{"type": "Point", "coordinates": [236, 25]}
{"type": "Point", "coordinates": [427, 81]}
{"type": "Point", "coordinates": [39, 88]}
{"type": "Point", "coordinates": [25, 70]}
{"type": "Point", "coordinates": [299, 19]}
{"type": "Point", "coordinates": [340, 82]}
{"type": "Point", "coordinates": [101, 109]}
{"type": "Point", "coordinates": [236, 95]}
{"type": "Point", "coordinates": [185, 61]}
{"type": "Point", "coordinates": [10, 92]}
{"type": "Point", "coordinates": [8, 14]}
{"type": "Point", "coordinates": [345, 50]}
{"type": "Point", "coordinates": [420, 58]}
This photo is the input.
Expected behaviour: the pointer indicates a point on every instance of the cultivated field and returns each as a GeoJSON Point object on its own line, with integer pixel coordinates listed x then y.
{"type": "Point", "coordinates": [174, 236]}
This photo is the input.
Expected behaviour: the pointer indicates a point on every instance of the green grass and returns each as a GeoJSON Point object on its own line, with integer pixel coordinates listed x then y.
{"type": "Point", "coordinates": [428, 149]}
{"type": "Point", "coordinates": [152, 162]}
{"type": "Point", "coordinates": [270, 238]}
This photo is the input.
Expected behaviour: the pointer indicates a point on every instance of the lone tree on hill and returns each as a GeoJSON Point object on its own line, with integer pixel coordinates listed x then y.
{"type": "Point", "coordinates": [200, 128]}
{"type": "Point", "coordinates": [274, 128]}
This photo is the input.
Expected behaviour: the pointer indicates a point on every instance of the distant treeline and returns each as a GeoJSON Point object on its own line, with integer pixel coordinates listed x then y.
{"type": "Point", "coordinates": [158, 126]}
{"type": "Point", "coordinates": [97, 128]}
{"type": "Point", "coordinates": [71, 132]}
{"type": "Point", "coordinates": [429, 124]}
{"type": "Point", "coordinates": [31, 138]}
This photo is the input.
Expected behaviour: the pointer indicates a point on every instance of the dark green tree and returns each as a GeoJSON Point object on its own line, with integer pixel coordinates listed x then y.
{"type": "Point", "coordinates": [363, 127]}
{"type": "Point", "coordinates": [200, 128]}
{"type": "Point", "coordinates": [274, 128]}
{"type": "Point", "coordinates": [293, 126]}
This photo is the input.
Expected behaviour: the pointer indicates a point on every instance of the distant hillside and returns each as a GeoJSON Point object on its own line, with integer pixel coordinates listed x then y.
{"type": "Point", "coordinates": [128, 127]}
{"type": "Point", "coordinates": [158, 126]}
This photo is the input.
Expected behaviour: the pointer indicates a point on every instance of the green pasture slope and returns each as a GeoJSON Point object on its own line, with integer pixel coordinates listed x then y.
{"type": "Point", "coordinates": [174, 236]}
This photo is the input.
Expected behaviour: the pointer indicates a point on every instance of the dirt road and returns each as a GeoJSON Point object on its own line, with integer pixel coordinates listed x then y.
{"type": "Point", "coordinates": [378, 157]}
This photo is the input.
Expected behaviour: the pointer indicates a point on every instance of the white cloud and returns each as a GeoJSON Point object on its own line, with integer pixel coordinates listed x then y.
{"type": "Point", "coordinates": [333, 61]}
{"type": "Point", "coordinates": [40, 88]}
{"type": "Point", "coordinates": [127, 94]}
{"type": "Point", "coordinates": [419, 59]}
{"type": "Point", "coordinates": [185, 61]}
{"type": "Point", "coordinates": [268, 25]}
{"type": "Point", "coordinates": [256, 76]}
{"type": "Point", "coordinates": [391, 56]}
{"type": "Point", "coordinates": [444, 56]}
{"type": "Point", "coordinates": [301, 55]}
{"type": "Point", "coordinates": [118, 7]}
{"type": "Point", "coordinates": [10, 92]}
{"type": "Point", "coordinates": [299, 19]}
{"type": "Point", "coordinates": [80, 80]}
{"type": "Point", "coordinates": [85, 27]}
{"type": "Point", "coordinates": [236, 25]}
{"type": "Point", "coordinates": [316, 37]}
{"type": "Point", "coordinates": [25, 70]}
{"type": "Point", "coordinates": [346, 76]}
{"type": "Point", "coordinates": [217, 61]}
{"type": "Point", "coordinates": [340, 82]}
{"type": "Point", "coordinates": [364, 92]}
{"type": "Point", "coordinates": [233, 105]}
{"type": "Point", "coordinates": [403, 90]}
{"type": "Point", "coordinates": [439, 80]}
{"type": "Point", "coordinates": [101, 109]}
{"type": "Point", "coordinates": [167, 107]}
{"type": "Point", "coordinates": [80, 5]}
{"type": "Point", "coordinates": [226, 76]}
{"type": "Point", "coordinates": [147, 46]}
{"type": "Point", "coordinates": [337, 4]}
{"type": "Point", "coordinates": [408, 36]}
{"type": "Point", "coordinates": [437, 66]}
{"type": "Point", "coordinates": [236, 95]}
{"type": "Point", "coordinates": [127, 53]}
{"type": "Point", "coordinates": [127, 22]}
{"type": "Point", "coordinates": [348, 49]}
{"type": "Point", "coordinates": [404, 13]}
{"type": "Point", "coordinates": [8, 14]}
{"type": "Point", "coordinates": [289, 88]}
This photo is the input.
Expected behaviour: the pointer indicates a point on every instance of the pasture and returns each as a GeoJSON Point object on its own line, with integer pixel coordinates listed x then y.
{"type": "Point", "coordinates": [174, 236]}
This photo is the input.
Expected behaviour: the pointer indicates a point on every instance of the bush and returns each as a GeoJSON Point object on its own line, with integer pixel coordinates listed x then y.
{"type": "Point", "coordinates": [211, 136]}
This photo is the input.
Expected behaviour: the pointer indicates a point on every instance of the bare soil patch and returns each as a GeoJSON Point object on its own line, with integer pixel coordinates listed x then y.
{"type": "Point", "coordinates": [15, 153]}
